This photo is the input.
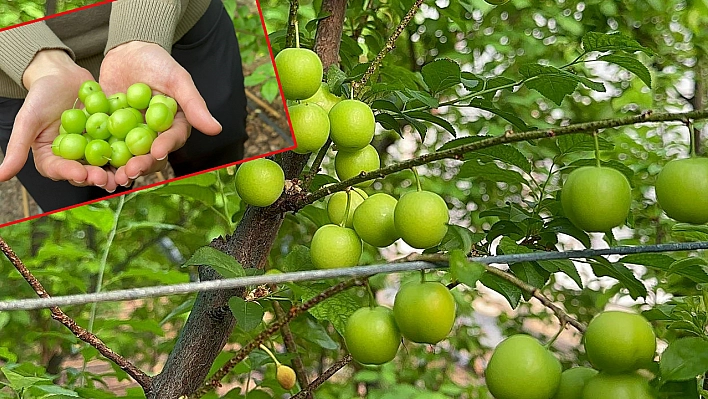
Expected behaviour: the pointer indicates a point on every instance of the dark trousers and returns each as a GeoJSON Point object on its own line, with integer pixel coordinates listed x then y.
{"type": "Point", "coordinates": [210, 53]}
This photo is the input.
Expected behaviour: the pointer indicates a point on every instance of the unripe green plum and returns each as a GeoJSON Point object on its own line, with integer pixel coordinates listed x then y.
{"type": "Point", "coordinates": [373, 220]}
{"type": "Point", "coordinates": [259, 182]}
{"type": "Point", "coordinates": [310, 127]}
{"type": "Point", "coordinates": [334, 246]}
{"type": "Point", "coordinates": [350, 164]}
{"type": "Point", "coordinates": [352, 125]}
{"type": "Point", "coordinates": [421, 218]}
{"type": "Point", "coordinates": [337, 205]}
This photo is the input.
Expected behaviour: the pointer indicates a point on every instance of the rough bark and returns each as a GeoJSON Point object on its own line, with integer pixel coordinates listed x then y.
{"type": "Point", "coordinates": [210, 323]}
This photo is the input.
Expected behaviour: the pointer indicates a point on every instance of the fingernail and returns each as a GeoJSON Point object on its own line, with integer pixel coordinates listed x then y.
{"type": "Point", "coordinates": [217, 122]}
{"type": "Point", "coordinates": [101, 185]}
{"type": "Point", "coordinates": [126, 184]}
{"type": "Point", "coordinates": [160, 159]}
{"type": "Point", "coordinates": [111, 191]}
{"type": "Point", "coordinates": [134, 177]}
{"type": "Point", "coordinates": [79, 182]}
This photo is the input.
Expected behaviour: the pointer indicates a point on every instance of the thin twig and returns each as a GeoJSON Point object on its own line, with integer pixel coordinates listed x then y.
{"type": "Point", "coordinates": [268, 332]}
{"type": "Point", "coordinates": [307, 392]}
{"type": "Point", "coordinates": [292, 20]}
{"type": "Point", "coordinates": [81, 333]}
{"type": "Point", "coordinates": [390, 45]}
{"type": "Point", "coordinates": [291, 347]}
{"type": "Point", "coordinates": [508, 137]}
{"type": "Point", "coordinates": [315, 168]}
{"type": "Point", "coordinates": [263, 104]}
{"type": "Point", "coordinates": [314, 275]}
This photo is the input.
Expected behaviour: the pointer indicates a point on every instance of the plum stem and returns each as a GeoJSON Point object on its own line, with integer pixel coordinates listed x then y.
{"type": "Point", "coordinates": [372, 297]}
{"type": "Point", "coordinates": [297, 35]}
{"type": "Point", "coordinates": [417, 179]}
{"type": "Point", "coordinates": [346, 209]}
{"type": "Point", "coordinates": [692, 138]}
{"type": "Point", "coordinates": [597, 149]}
{"type": "Point", "coordinates": [272, 356]}
{"type": "Point", "coordinates": [555, 337]}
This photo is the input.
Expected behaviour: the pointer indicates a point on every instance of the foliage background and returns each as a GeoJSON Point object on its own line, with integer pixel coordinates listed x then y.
{"type": "Point", "coordinates": [490, 197]}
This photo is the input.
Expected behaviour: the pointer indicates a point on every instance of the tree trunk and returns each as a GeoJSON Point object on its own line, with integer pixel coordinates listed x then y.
{"type": "Point", "coordinates": [210, 323]}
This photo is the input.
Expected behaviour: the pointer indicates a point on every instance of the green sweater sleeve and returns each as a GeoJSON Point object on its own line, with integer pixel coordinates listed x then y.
{"type": "Point", "coordinates": [152, 21]}
{"type": "Point", "coordinates": [18, 47]}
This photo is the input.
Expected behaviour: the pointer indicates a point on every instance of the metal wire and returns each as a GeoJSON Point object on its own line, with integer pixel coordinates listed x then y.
{"type": "Point", "coordinates": [310, 275]}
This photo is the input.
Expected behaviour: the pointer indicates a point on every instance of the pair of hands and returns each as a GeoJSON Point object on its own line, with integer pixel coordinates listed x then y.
{"type": "Point", "coordinates": [53, 81]}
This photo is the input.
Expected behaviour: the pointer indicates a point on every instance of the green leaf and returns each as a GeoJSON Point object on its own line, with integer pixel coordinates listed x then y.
{"type": "Point", "coordinates": [440, 75]}
{"type": "Point", "coordinates": [421, 96]}
{"type": "Point", "coordinates": [55, 390]}
{"type": "Point", "coordinates": [656, 261]}
{"type": "Point", "coordinates": [5, 353]}
{"type": "Point", "coordinates": [553, 86]}
{"type": "Point", "coordinates": [205, 195]}
{"type": "Point", "coordinates": [504, 152]}
{"type": "Point", "coordinates": [679, 390]}
{"type": "Point", "coordinates": [336, 309]}
{"type": "Point", "coordinates": [626, 170]}
{"type": "Point", "coordinates": [385, 105]}
{"type": "Point", "coordinates": [463, 270]}
{"type": "Point", "coordinates": [321, 180]}
{"type": "Point", "coordinates": [616, 270]}
{"type": "Point", "coordinates": [491, 172]}
{"type": "Point", "coordinates": [510, 116]}
{"type": "Point", "coordinates": [532, 70]}
{"type": "Point", "coordinates": [297, 259]}
{"type": "Point", "coordinates": [684, 359]}
{"type": "Point", "coordinates": [248, 315]}
{"type": "Point", "coordinates": [100, 218]}
{"type": "Point", "coordinates": [458, 237]}
{"type": "Point", "coordinates": [565, 226]}
{"type": "Point", "coordinates": [419, 126]}
{"type": "Point", "coordinates": [335, 78]}
{"type": "Point", "coordinates": [581, 142]}
{"type": "Point", "coordinates": [19, 382]}
{"type": "Point", "coordinates": [508, 290]}
{"type": "Point", "coordinates": [472, 82]}
{"type": "Point", "coordinates": [690, 232]}
{"type": "Point", "coordinates": [224, 264]}
{"type": "Point", "coordinates": [692, 268]}
{"type": "Point", "coordinates": [505, 228]}
{"type": "Point", "coordinates": [595, 41]}
{"type": "Point", "coordinates": [531, 273]}
{"type": "Point", "coordinates": [433, 119]}
{"type": "Point", "coordinates": [182, 308]}
{"type": "Point", "coordinates": [312, 331]}
{"type": "Point", "coordinates": [631, 64]}
{"type": "Point", "coordinates": [564, 265]}
{"type": "Point", "coordinates": [388, 122]}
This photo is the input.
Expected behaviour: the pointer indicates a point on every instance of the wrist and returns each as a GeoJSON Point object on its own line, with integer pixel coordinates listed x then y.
{"type": "Point", "coordinates": [47, 62]}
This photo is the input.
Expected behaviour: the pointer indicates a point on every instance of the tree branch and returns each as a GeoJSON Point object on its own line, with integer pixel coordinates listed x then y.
{"type": "Point", "coordinates": [307, 392]}
{"type": "Point", "coordinates": [270, 330]}
{"type": "Point", "coordinates": [81, 333]}
{"type": "Point", "coordinates": [291, 347]}
{"type": "Point", "coordinates": [508, 137]}
{"type": "Point", "coordinates": [390, 45]}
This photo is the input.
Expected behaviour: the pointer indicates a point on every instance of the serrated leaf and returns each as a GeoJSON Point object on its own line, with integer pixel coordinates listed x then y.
{"type": "Point", "coordinates": [631, 64]}
{"type": "Point", "coordinates": [385, 105]}
{"type": "Point", "coordinates": [312, 331]}
{"type": "Point", "coordinates": [458, 237]}
{"type": "Point", "coordinates": [321, 180]}
{"type": "Point", "coordinates": [222, 263]}
{"type": "Point", "coordinates": [491, 172]}
{"type": "Point", "coordinates": [581, 142]}
{"type": "Point", "coordinates": [248, 315]}
{"type": "Point", "coordinates": [509, 291]}
{"type": "Point", "coordinates": [419, 126]}
{"type": "Point", "coordinates": [440, 75]}
{"type": "Point", "coordinates": [656, 261]}
{"type": "Point", "coordinates": [55, 390]}
{"type": "Point", "coordinates": [532, 70]}
{"type": "Point", "coordinates": [553, 86]}
{"type": "Point", "coordinates": [101, 218]}
{"type": "Point", "coordinates": [566, 266]}
{"type": "Point", "coordinates": [472, 82]}
{"type": "Point", "coordinates": [464, 271]}
{"type": "Point", "coordinates": [531, 273]}
{"type": "Point", "coordinates": [509, 116]}
{"type": "Point", "coordinates": [423, 97]}
{"type": "Point", "coordinates": [335, 78]}
{"type": "Point", "coordinates": [616, 270]}
{"type": "Point", "coordinates": [433, 119]}
{"type": "Point", "coordinates": [504, 152]}
{"type": "Point", "coordinates": [684, 359]}
{"type": "Point", "coordinates": [565, 226]}
{"type": "Point", "coordinates": [19, 382]}
{"type": "Point", "coordinates": [595, 41]}
{"type": "Point", "coordinates": [692, 268]}
{"type": "Point", "coordinates": [690, 232]}
{"type": "Point", "coordinates": [388, 122]}
{"type": "Point", "coordinates": [336, 309]}
{"type": "Point", "coordinates": [497, 82]}
{"type": "Point", "coordinates": [505, 228]}
{"type": "Point", "coordinates": [297, 259]}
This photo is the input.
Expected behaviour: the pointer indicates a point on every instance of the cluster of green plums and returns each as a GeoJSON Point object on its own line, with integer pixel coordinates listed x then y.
{"type": "Point", "coordinates": [113, 129]}
{"type": "Point", "coordinates": [423, 312]}
{"type": "Point", "coordinates": [616, 343]}
{"type": "Point", "coordinates": [599, 198]}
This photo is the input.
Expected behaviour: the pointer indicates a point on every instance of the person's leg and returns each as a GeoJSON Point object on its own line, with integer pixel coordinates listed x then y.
{"type": "Point", "coordinates": [50, 195]}
{"type": "Point", "coordinates": [210, 53]}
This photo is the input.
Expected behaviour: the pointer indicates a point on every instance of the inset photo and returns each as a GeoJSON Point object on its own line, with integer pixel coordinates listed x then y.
{"type": "Point", "coordinates": [122, 95]}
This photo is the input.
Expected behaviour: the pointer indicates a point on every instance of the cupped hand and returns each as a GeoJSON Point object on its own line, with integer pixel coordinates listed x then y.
{"type": "Point", "coordinates": [149, 63]}
{"type": "Point", "coordinates": [53, 81]}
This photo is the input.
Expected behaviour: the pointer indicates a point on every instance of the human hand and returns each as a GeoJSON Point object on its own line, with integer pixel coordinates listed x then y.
{"type": "Point", "coordinates": [149, 63]}
{"type": "Point", "coordinates": [53, 81]}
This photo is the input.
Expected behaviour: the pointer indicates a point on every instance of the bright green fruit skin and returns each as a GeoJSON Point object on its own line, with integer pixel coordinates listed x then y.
{"type": "Point", "coordinates": [159, 117]}
{"type": "Point", "coordinates": [121, 122]}
{"type": "Point", "coordinates": [352, 125]}
{"type": "Point", "coordinates": [117, 101]}
{"type": "Point", "coordinates": [596, 199]}
{"type": "Point", "coordinates": [682, 190]}
{"type": "Point", "coordinates": [72, 146]}
{"type": "Point", "coordinates": [371, 335]}
{"type": "Point", "coordinates": [373, 220]}
{"type": "Point", "coordinates": [97, 126]}
{"type": "Point", "coordinates": [520, 368]}
{"type": "Point", "coordinates": [424, 311]}
{"type": "Point", "coordinates": [617, 386]}
{"type": "Point", "coordinates": [573, 381]}
{"type": "Point", "coordinates": [73, 121]}
{"type": "Point", "coordinates": [97, 102]}
{"type": "Point", "coordinates": [97, 152]}
{"type": "Point", "coordinates": [349, 164]}
{"type": "Point", "coordinates": [139, 140]}
{"type": "Point", "coordinates": [300, 72]}
{"type": "Point", "coordinates": [138, 95]}
{"type": "Point", "coordinates": [56, 143]}
{"type": "Point", "coordinates": [168, 101]}
{"type": "Point", "coordinates": [120, 154]}
{"type": "Point", "coordinates": [337, 206]}
{"type": "Point", "coordinates": [324, 98]}
{"type": "Point", "coordinates": [138, 115]}
{"type": "Point", "coordinates": [619, 342]}
{"type": "Point", "coordinates": [334, 246]}
{"type": "Point", "coordinates": [310, 127]}
{"type": "Point", "coordinates": [421, 219]}
{"type": "Point", "coordinates": [88, 87]}
{"type": "Point", "coordinates": [259, 182]}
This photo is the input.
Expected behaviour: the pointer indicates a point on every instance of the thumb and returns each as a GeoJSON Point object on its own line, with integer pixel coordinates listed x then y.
{"type": "Point", "coordinates": [24, 131]}
{"type": "Point", "coordinates": [193, 105]}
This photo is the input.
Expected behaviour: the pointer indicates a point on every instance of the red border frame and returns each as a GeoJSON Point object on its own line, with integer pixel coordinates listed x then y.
{"type": "Point", "coordinates": [110, 196]}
